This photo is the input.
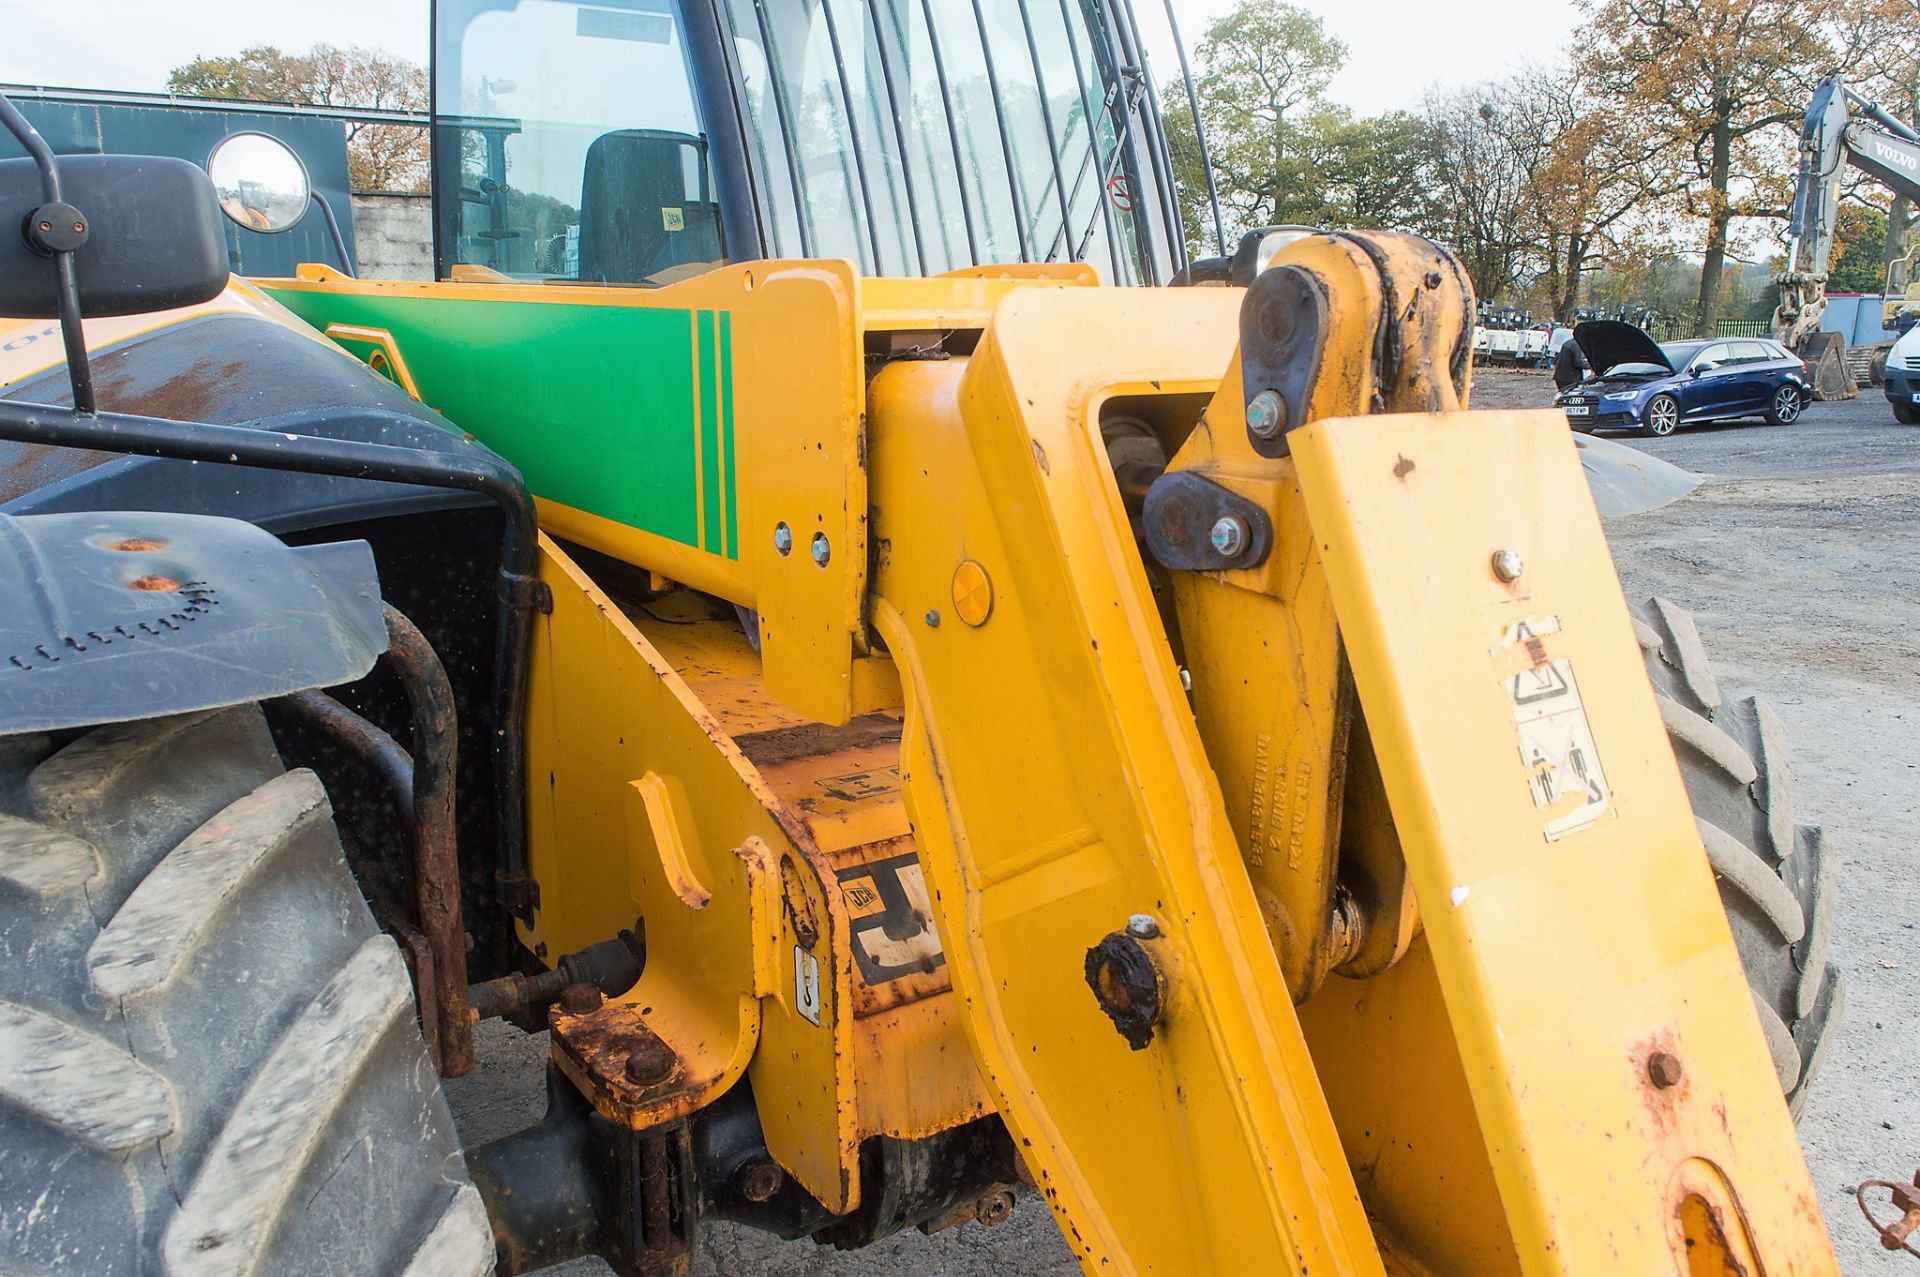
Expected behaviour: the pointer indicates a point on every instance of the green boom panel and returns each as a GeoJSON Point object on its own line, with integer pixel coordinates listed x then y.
{"type": "Point", "coordinates": [625, 412]}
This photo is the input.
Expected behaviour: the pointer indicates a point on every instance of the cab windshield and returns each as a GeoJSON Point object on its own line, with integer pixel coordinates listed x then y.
{"type": "Point", "coordinates": [639, 141]}
{"type": "Point", "coordinates": [569, 144]}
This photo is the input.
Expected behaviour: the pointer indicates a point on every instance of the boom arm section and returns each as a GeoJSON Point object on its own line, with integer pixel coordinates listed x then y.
{"type": "Point", "coordinates": [1840, 128]}
{"type": "Point", "coordinates": [1128, 973]}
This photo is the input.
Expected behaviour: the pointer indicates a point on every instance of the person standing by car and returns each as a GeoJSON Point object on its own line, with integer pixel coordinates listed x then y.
{"type": "Point", "coordinates": [1569, 366]}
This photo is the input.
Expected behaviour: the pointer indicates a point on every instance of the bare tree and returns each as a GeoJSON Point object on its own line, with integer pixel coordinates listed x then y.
{"type": "Point", "coordinates": [1593, 171]}
{"type": "Point", "coordinates": [1479, 163]}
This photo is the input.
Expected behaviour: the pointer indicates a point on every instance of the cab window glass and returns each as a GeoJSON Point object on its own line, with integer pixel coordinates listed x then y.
{"type": "Point", "coordinates": [570, 142]}
{"type": "Point", "coordinates": [942, 136]}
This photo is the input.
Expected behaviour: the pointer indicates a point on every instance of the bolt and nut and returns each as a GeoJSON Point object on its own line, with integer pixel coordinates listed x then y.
{"type": "Point", "coordinates": [782, 539]}
{"type": "Point", "coordinates": [1141, 926]}
{"type": "Point", "coordinates": [822, 551]}
{"type": "Point", "coordinates": [1663, 1068]}
{"type": "Point", "coordinates": [1229, 535]}
{"type": "Point", "coordinates": [994, 1209]}
{"type": "Point", "coordinates": [650, 1063]}
{"type": "Point", "coordinates": [1507, 565]}
{"type": "Point", "coordinates": [581, 999]}
{"type": "Point", "coordinates": [760, 1181]}
{"type": "Point", "coordinates": [1266, 414]}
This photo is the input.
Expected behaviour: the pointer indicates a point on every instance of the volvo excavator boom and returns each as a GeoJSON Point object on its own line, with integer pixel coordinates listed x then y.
{"type": "Point", "coordinates": [1841, 128]}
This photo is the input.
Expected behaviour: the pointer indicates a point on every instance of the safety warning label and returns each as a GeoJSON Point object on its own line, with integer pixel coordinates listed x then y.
{"type": "Point", "coordinates": [1557, 748]}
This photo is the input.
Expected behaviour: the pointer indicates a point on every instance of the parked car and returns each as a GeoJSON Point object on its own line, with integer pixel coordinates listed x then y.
{"type": "Point", "coordinates": [1655, 387]}
{"type": "Point", "coordinates": [1903, 378]}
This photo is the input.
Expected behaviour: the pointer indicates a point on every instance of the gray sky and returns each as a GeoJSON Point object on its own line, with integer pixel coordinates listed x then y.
{"type": "Point", "coordinates": [1398, 47]}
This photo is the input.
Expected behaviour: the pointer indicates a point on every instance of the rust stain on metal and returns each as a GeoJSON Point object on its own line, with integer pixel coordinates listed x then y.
{"type": "Point", "coordinates": [613, 1046]}
{"type": "Point", "coordinates": [134, 545]}
{"type": "Point", "coordinates": [1704, 1225]}
{"type": "Point", "coordinates": [193, 393]}
{"type": "Point", "coordinates": [806, 927]}
{"type": "Point", "coordinates": [656, 1195]}
{"type": "Point", "coordinates": [153, 583]}
{"type": "Point", "coordinates": [1403, 467]}
{"type": "Point", "coordinates": [1661, 1077]}
{"type": "Point", "coordinates": [437, 903]}
{"type": "Point", "coordinates": [806, 740]}
{"type": "Point", "coordinates": [34, 465]}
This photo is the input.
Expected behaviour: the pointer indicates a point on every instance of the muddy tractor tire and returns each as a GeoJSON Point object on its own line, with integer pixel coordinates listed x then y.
{"type": "Point", "coordinates": [1777, 879]}
{"type": "Point", "coordinates": [209, 1061]}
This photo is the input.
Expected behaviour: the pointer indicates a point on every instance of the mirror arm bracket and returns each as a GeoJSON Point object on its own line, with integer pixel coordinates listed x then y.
{"type": "Point", "coordinates": [333, 229]}
{"type": "Point", "coordinates": [45, 235]}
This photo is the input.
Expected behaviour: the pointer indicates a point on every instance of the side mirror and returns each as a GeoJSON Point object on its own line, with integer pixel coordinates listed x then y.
{"type": "Point", "coordinates": [1259, 247]}
{"type": "Point", "coordinates": [1695, 371]}
{"type": "Point", "coordinates": [152, 241]}
{"type": "Point", "coordinates": [261, 183]}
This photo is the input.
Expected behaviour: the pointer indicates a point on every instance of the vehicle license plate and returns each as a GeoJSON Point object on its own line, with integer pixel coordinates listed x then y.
{"type": "Point", "coordinates": [1586, 410]}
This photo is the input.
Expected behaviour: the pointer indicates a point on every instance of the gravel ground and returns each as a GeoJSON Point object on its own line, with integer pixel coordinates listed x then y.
{"type": "Point", "coordinates": [1797, 557]}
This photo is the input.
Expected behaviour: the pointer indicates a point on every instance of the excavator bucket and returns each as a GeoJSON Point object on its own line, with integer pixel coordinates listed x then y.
{"type": "Point", "coordinates": [1826, 358]}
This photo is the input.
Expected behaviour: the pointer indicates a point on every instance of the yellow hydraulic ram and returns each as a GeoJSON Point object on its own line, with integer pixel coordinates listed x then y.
{"type": "Point", "coordinates": [1572, 1029]}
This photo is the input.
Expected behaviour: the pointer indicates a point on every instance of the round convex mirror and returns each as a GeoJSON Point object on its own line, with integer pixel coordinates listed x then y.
{"type": "Point", "coordinates": [261, 183]}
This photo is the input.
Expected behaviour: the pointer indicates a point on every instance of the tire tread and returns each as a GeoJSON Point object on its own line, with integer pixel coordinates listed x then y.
{"type": "Point", "coordinates": [1777, 877]}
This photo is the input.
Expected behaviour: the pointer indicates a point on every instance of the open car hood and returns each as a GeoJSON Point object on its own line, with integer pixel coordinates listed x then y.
{"type": "Point", "coordinates": [1608, 343]}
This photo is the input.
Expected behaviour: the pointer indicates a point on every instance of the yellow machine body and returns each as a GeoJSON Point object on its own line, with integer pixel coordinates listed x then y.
{"type": "Point", "coordinates": [1422, 1006]}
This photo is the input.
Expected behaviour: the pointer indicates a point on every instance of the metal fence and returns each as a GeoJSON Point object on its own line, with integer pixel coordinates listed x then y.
{"type": "Point", "coordinates": [1679, 330]}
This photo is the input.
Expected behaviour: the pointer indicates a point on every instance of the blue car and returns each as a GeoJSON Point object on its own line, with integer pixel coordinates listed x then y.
{"type": "Point", "coordinates": [1655, 388]}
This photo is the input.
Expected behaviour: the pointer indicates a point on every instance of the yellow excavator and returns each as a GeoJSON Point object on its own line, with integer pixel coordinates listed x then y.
{"type": "Point", "coordinates": [929, 695]}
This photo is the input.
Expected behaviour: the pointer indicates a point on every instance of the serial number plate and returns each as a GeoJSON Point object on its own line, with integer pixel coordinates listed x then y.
{"type": "Point", "coordinates": [1586, 410]}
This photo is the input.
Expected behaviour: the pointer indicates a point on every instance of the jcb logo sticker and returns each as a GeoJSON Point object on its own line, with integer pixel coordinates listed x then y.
{"type": "Point", "coordinates": [673, 219]}
{"type": "Point", "coordinates": [892, 919]}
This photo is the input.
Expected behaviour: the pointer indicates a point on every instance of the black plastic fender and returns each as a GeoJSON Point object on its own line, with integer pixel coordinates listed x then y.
{"type": "Point", "coordinates": [122, 615]}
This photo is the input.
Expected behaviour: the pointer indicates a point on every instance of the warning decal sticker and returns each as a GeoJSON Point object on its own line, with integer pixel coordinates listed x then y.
{"type": "Point", "coordinates": [1563, 769]}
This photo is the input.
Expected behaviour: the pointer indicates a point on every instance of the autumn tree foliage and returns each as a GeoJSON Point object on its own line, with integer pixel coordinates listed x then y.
{"type": "Point", "coordinates": [1669, 134]}
{"type": "Point", "coordinates": [1720, 84]}
{"type": "Point", "coordinates": [380, 157]}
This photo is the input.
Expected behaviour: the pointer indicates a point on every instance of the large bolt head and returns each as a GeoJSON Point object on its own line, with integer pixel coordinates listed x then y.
{"type": "Point", "coordinates": [581, 999]}
{"type": "Point", "coordinates": [1229, 535]}
{"type": "Point", "coordinates": [782, 539]}
{"type": "Point", "coordinates": [650, 1063]}
{"type": "Point", "coordinates": [1507, 566]}
{"type": "Point", "coordinates": [760, 1181]}
{"type": "Point", "coordinates": [994, 1209]}
{"type": "Point", "coordinates": [1266, 414]}
{"type": "Point", "coordinates": [822, 549]}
